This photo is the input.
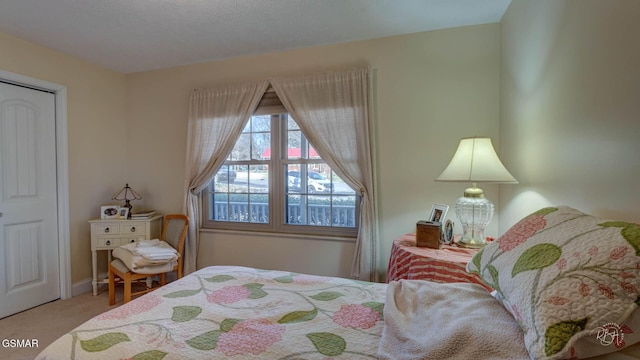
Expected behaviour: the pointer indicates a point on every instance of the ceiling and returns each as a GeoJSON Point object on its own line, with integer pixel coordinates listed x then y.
{"type": "Point", "coordinates": [139, 35]}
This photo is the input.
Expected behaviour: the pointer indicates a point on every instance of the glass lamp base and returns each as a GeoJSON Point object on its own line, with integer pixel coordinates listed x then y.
{"type": "Point", "coordinates": [474, 213]}
{"type": "Point", "coordinates": [472, 244]}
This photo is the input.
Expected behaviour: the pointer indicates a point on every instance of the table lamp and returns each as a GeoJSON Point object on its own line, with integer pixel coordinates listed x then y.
{"type": "Point", "coordinates": [127, 194]}
{"type": "Point", "coordinates": [475, 161]}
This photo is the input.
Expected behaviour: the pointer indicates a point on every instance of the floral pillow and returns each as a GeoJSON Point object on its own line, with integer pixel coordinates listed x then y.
{"type": "Point", "coordinates": [569, 279]}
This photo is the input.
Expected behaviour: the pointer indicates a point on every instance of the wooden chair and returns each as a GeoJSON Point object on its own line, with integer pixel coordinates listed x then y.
{"type": "Point", "coordinates": [174, 232]}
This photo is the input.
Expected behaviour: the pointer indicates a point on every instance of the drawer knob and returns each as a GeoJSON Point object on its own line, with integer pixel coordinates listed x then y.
{"type": "Point", "coordinates": [108, 242]}
{"type": "Point", "coordinates": [132, 241]}
{"type": "Point", "coordinates": [133, 229]}
{"type": "Point", "coordinates": [106, 230]}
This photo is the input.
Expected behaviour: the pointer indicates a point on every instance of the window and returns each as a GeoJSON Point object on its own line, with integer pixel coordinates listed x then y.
{"type": "Point", "coordinates": [274, 180]}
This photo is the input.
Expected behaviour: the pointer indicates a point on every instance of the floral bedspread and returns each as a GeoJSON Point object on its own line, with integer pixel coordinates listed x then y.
{"type": "Point", "coordinates": [225, 312]}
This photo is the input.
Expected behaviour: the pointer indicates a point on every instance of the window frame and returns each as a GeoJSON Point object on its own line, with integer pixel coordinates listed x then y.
{"type": "Point", "coordinates": [276, 189]}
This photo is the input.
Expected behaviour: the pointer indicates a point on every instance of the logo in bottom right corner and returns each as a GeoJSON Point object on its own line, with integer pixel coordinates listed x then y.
{"type": "Point", "coordinates": [611, 333]}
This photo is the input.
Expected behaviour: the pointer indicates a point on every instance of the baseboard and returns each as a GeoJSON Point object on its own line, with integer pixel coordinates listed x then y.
{"type": "Point", "coordinates": [84, 286]}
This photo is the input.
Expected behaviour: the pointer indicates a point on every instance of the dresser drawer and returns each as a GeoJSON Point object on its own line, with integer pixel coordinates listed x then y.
{"type": "Point", "coordinates": [127, 229]}
{"type": "Point", "coordinates": [112, 242]}
{"type": "Point", "coordinates": [107, 229]}
{"type": "Point", "coordinates": [107, 242]}
{"type": "Point", "coordinates": [131, 239]}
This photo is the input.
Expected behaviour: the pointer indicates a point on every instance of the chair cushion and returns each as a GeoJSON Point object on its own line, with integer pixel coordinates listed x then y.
{"type": "Point", "coordinates": [118, 264]}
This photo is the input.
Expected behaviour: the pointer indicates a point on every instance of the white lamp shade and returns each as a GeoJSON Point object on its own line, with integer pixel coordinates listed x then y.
{"type": "Point", "coordinates": [476, 161]}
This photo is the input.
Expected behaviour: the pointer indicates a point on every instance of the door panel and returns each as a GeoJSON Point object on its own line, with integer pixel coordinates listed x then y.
{"type": "Point", "coordinates": [29, 260]}
{"type": "Point", "coordinates": [23, 255]}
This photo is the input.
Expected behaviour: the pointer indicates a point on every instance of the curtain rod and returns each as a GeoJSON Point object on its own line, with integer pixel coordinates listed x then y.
{"type": "Point", "coordinates": [270, 89]}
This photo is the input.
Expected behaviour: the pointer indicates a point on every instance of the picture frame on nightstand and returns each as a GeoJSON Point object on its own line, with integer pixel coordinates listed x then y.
{"type": "Point", "coordinates": [109, 212]}
{"type": "Point", "coordinates": [123, 213]}
{"type": "Point", "coordinates": [447, 233]}
{"type": "Point", "coordinates": [438, 213]}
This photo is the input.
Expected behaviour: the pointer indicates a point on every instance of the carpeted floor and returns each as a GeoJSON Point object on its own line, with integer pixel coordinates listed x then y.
{"type": "Point", "coordinates": [48, 322]}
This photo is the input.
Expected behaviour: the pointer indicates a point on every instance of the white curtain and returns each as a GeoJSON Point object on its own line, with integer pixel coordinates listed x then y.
{"type": "Point", "coordinates": [334, 111]}
{"type": "Point", "coordinates": [216, 120]}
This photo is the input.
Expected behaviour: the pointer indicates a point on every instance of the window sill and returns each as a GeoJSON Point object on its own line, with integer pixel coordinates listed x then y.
{"type": "Point", "coordinates": [279, 235]}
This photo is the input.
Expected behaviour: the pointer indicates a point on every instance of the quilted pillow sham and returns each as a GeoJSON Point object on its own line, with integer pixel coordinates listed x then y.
{"type": "Point", "coordinates": [569, 279]}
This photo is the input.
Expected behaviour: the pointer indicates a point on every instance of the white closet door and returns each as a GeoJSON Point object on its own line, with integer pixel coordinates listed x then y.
{"type": "Point", "coordinates": [29, 269]}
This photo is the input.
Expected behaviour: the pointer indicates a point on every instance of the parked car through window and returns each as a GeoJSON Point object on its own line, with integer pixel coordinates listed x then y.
{"type": "Point", "coordinates": [316, 182]}
{"type": "Point", "coordinates": [226, 174]}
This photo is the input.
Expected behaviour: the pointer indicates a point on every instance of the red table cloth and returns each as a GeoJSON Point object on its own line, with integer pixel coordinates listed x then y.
{"type": "Point", "coordinates": [444, 265]}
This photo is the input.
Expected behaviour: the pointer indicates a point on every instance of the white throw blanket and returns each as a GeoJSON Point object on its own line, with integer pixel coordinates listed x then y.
{"type": "Point", "coordinates": [147, 256]}
{"type": "Point", "coordinates": [425, 320]}
{"type": "Point", "coordinates": [154, 250]}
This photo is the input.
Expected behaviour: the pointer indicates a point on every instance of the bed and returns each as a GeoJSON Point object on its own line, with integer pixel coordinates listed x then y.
{"type": "Point", "coordinates": [230, 312]}
{"type": "Point", "coordinates": [224, 312]}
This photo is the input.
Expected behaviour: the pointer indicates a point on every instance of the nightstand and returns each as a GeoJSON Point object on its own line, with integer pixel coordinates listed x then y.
{"type": "Point", "coordinates": [444, 265]}
{"type": "Point", "coordinates": [107, 235]}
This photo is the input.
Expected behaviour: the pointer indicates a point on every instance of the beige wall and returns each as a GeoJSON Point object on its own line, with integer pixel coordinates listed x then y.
{"type": "Point", "coordinates": [432, 89]}
{"type": "Point", "coordinates": [570, 113]}
{"type": "Point", "coordinates": [96, 124]}
{"type": "Point", "coordinates": [561, 75]}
